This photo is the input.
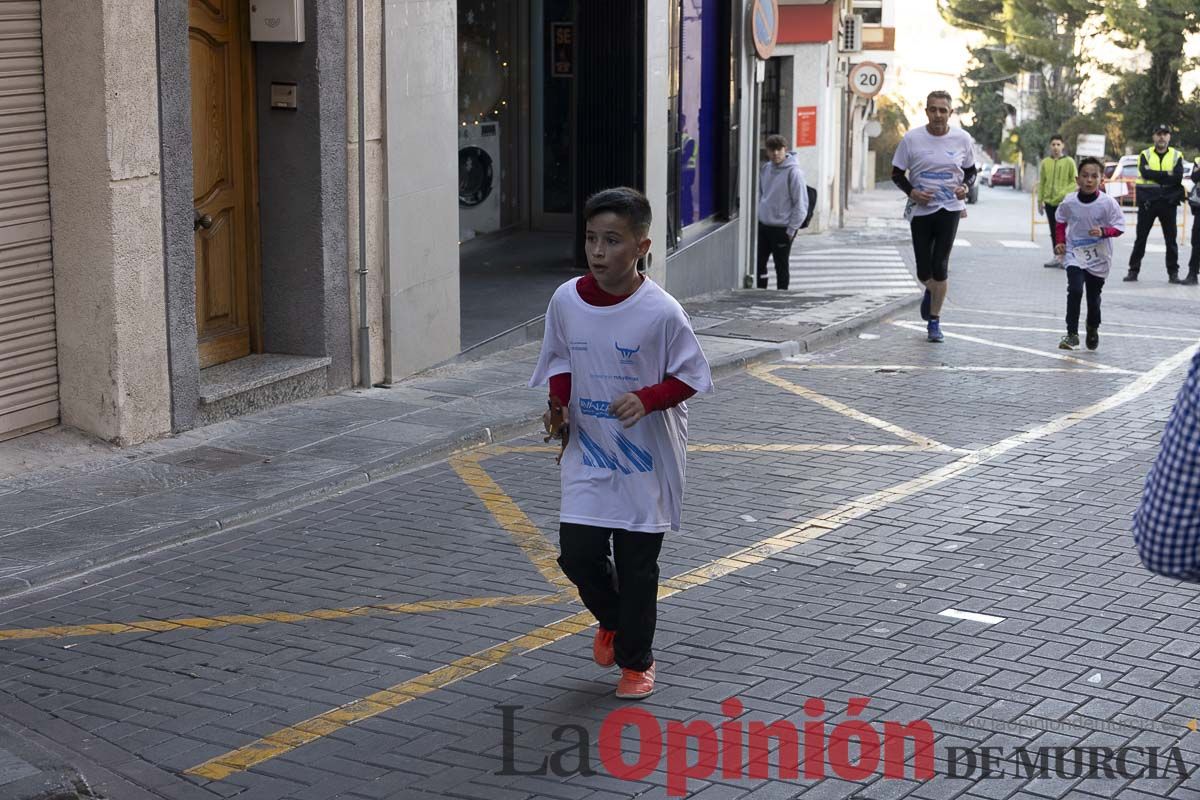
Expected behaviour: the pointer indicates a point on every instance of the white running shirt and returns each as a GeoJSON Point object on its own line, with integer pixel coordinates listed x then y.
{"type": "Point", "coordinates": [1093, 253]}
{"type": "Point", "coordinates": [935, 164]}
{"type": "Point", "coordinates": [614, 477]}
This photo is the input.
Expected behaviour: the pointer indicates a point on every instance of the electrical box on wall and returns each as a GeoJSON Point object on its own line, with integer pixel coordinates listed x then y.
{"type": "Point", "coordinates": [277, 21]}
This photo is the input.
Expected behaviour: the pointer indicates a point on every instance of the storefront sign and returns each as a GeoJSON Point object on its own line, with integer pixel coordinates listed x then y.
{"type": "Point", "coordinates": [806, 126]}
{"type": "Point", "coordinates": [764, 26]}
{"type": "Point", "coordinates": [562, 47]}
{"type": "Point", "coordinates": [866, 79]}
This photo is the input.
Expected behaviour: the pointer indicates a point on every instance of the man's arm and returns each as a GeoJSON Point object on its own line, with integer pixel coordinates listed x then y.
{"type": "Point", "coordinates": [1175, 176]}
{"type": "Point", "coordinates": [799, 203]}
{"type": "Point", "coordinates": [1166, 525]}
{"type": "Point", "coordinates": [901, 180]}
{"type": "Point", "coordinates": [1044, 177]}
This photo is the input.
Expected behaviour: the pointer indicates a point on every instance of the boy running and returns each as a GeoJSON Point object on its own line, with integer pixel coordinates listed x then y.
{"type": "Point", "coordinates": [1087, 222]}
{"type": "Point", "coordinates": [621, 358]}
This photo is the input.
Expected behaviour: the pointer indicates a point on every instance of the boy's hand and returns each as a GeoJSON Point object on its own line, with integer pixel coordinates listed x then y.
{"type": "Point", "coordinates": [1060, 249]}
{"type": "Point", "coordinates": [555, 420]}
{"type": "Point", "coordinates": [1095, 232]}
{"type": "Point", "coordinates": [628, 409]}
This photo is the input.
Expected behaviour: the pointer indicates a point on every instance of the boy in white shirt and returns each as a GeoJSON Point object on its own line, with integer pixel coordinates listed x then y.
{"type": "Point", "coordinates": [1085, 225]}
{"type": "Point", "coordinates": [621, 358]}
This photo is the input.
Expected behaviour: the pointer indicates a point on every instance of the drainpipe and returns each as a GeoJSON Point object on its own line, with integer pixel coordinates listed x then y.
{"type": "Point", "coordinates": [364, 324]}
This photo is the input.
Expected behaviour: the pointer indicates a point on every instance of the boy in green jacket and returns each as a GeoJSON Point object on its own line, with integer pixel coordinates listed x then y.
{"type": "Point", "coordinates": [1056, 179]}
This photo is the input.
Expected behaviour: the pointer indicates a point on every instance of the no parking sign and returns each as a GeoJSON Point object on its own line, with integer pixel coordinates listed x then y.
{"type": "Point", "coordinates": [764, 26]}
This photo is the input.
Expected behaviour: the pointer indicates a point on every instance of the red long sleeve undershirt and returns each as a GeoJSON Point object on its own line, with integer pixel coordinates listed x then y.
{"type": "Point", "coordinates": [1060, 232]}
{"type": "Point", "coordinates": [659, 397]}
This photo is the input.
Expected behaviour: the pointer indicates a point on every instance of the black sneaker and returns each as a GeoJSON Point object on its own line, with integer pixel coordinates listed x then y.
{"type": "Point", "coordinates": [1093, 338]}
{"type": "Point", "coordinates": [1069, 342]}
{"type": "Point", "coordinates": [1173, 278]}
{"type": "Point", "coordinates": [1130, 276]}
{"type": "Point", "coordinates": [1191, 279]}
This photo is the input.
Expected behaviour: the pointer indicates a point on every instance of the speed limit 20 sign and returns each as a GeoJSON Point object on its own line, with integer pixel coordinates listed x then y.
{"type": "Point", "coordinates": [866, 78]}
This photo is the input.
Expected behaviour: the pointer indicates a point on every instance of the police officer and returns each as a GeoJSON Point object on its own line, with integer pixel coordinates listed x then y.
{"type": "Point", "coordinates": [1159, 192]}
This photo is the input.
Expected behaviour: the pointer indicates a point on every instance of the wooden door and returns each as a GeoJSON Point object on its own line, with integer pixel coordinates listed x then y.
{"type": "Point", "coordinates": [223, 174]}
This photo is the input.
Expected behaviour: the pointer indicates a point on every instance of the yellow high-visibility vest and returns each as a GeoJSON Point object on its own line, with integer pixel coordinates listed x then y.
{"type": "Point", "coordinates": [1165, 163]}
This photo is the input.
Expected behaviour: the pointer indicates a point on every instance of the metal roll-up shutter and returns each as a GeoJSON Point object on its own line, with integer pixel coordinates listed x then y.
{"type": "Point", "coordinates": [28, 353]}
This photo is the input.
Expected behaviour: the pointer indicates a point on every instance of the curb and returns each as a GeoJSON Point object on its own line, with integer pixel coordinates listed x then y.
{"type": "Point", "coordinates": [414, 458]}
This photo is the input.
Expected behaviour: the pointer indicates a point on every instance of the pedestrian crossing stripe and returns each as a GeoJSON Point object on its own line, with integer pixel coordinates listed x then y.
{"type": "Point", "coordinates": [1020, 244]}
{"type": "Point", "coordinates": [864, 270]}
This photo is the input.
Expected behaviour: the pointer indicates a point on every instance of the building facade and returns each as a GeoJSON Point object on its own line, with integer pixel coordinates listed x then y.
{"type": "Point", "coordinates": [484, 124]}
{"type": "Point", "coordinates": [175, 247]}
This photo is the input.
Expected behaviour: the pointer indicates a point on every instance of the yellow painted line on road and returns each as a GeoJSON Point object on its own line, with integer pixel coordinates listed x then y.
{"type": "Point", "coordinates": [946, 368]}
{"type": "Point", "coordinates": [225, 620]}
{"type": "Point", "coordinates": [912, 326]}
{"type": "Point", "coordinates": [813, 448]}
{"type": "Point", "coordinates": [767, 373]}
{"type": "Point", "coordinates": [291, 737]}
{"type": "Point", "coordinates": [540, 552]}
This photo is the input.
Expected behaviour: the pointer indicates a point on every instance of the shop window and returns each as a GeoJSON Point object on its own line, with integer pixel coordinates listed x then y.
{"type": "Point", "coordinates": [702, 123]}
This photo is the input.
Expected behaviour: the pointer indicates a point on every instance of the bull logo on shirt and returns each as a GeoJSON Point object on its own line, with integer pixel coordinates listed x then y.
{"type": "Point", "coordinates": [627, 353]}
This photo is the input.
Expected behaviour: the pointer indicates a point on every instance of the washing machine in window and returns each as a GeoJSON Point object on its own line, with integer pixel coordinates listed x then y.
{"type": "Point", "coordinates": [478, 179]}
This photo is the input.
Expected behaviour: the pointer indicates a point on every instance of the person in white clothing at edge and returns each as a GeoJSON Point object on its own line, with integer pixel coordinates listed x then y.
{"type": "Point", "coordinates": [1086, 222]}
{"type": "Point", "coordinates": [621, 358]}
{"type": "Point", "coordinates": [934, 165]}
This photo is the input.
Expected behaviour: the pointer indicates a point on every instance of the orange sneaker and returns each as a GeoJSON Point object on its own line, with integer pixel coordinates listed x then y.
{"type": "Point", "coordinates": [635, 685]}
{"type": "Point", "coordinates": [602, 647]}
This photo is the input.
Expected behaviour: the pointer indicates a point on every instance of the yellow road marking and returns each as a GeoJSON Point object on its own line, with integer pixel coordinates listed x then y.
{"type": "Point", "coordinates": [542, 554]}
{"type": "Point", "coordinates": [812, 448]}
{"type": "Point", "coordinates": [767, 373]}
{"type": "Point", "coordinates": [945, 368]}
{"type": "Point", "coordinates": [224, 620]}
{"type": "Point", "coordinates": [912, 326]}
{"type": "Point", "coordinates": [289, 738]}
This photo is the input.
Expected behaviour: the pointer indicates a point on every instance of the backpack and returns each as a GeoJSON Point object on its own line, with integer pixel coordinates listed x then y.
{"type": "Point", "coordinates": [812, 204]}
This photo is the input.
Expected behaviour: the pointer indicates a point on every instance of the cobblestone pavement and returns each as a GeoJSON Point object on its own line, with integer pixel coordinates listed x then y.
{"type": "Point", "coordinates": [839, 504]}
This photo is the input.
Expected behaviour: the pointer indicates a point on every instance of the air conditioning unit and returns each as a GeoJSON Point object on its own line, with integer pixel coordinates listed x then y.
{"type": "Point", "coordinates": [851, 40]}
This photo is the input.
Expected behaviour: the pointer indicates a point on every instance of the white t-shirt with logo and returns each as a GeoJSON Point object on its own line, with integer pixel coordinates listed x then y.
{"type": "Point", "coordinates": [1093, 253]}
{"type": "Point", "coordinates": [615, 477]}
{"type": "Point", "coordinates": [935, 164]}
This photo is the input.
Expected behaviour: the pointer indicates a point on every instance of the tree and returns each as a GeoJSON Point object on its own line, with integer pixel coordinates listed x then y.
{"type": "Point", "coordinates": [892, 119]}
{"type": "Point", "coordinates": [1038, 36]}
{"type": "Point", "coordinates": [983, 99]}
{"type": "Point", "coordinates": [1161, 27]}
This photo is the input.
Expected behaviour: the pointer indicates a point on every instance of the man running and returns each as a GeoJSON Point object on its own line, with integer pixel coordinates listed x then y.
{"type": "Point", "coordinates": [934, 165]}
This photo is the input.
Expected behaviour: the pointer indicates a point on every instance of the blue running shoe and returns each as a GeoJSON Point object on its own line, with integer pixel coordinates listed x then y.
{"type": "Point", "coordinates": [935, 331]}
{"type": "Point", "coordinates": [927, 306]}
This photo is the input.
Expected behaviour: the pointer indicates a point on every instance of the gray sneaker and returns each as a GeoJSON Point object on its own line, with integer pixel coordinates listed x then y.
{"type": "Point", "coordinates": [1053, 263]}
{"type": "Point", "coordinates": [1069, 342]}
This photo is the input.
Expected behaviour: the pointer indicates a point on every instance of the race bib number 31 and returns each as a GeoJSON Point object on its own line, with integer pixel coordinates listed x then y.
{"type": "Point", "coordinates": [1089, 252]}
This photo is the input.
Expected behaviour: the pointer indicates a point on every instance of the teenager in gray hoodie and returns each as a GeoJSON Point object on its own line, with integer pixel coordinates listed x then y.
{"type": "Point", "coordinates": [782, 206]}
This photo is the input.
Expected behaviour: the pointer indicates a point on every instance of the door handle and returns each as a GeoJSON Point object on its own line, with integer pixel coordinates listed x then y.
{"type": "Point", "coordinates": [201, 221]}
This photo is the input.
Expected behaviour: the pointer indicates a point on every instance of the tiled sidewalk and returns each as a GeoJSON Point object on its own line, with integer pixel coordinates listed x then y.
{"type": "Point", "coordinates": [65, 518]}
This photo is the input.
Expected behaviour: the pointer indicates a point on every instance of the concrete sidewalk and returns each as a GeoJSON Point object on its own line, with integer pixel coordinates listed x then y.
{"type": "Point", "coordinates": [93, 505]}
